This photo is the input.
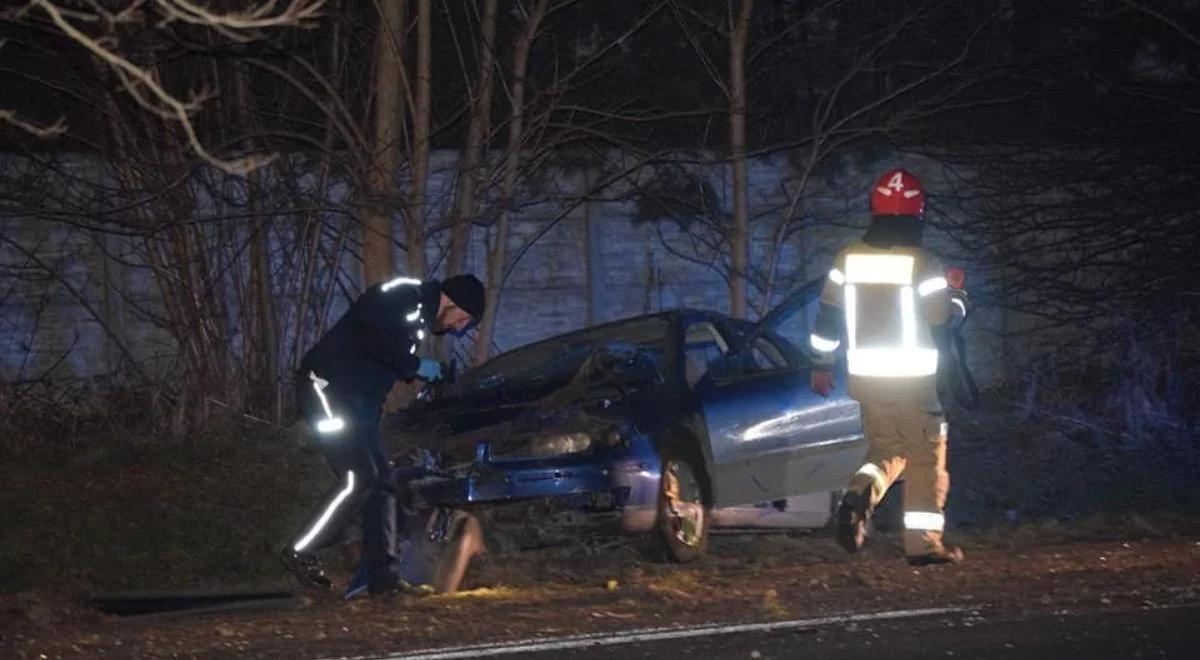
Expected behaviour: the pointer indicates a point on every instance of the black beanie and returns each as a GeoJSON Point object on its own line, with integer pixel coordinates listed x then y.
{"type": "Point", "coordinates": [466, 291]}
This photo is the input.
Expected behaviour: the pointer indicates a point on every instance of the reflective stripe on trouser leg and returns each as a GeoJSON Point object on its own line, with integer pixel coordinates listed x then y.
{"type": "Point", "coordinates": [926, 482]}
{"type": "Point", "coordinates": [331, 423]}
{"type": "Point", "coordinates": [924, 521]}
{"type": "Point", "coordinates": [878, 479]}
{"type": "Point", "coordinates": [885, 456]}
{"type": "Point", "coordinates": [349, 454]}
{"type": "Point", "coordinates": [323, 521]}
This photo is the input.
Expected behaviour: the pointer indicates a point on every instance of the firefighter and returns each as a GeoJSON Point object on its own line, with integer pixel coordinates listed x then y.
{"type": "Point", "coordinates": [342, 384]}
{"type": "Point", "coordinates": [891, 302]}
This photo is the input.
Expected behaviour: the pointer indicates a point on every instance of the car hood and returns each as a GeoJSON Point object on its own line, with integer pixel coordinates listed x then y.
{"type": "Point", "coordinates": [602, 387]}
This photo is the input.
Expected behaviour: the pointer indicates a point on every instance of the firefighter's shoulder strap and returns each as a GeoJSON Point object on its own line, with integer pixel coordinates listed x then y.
{"type": "Point", "coordinates": [967, 393]}
{"type": "Point", "coordinates": [955, 375]}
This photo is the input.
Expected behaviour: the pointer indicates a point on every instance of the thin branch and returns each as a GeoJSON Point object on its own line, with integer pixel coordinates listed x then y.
{"type": "Point", "coordinates": [51, 131]}
{"type": "Point", "coordinates": [175, 108]}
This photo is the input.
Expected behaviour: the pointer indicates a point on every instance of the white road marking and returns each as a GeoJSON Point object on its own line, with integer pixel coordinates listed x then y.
{"type": "Point", "coordinates": [535, 645]}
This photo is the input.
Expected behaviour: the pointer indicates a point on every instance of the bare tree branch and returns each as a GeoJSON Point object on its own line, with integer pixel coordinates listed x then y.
{"type": "Point", "coordinates": [54, 130]}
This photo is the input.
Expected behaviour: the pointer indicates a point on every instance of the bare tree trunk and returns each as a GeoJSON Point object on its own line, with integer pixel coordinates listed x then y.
{"type": "Point", "coordinates": [591, 252]}
{"type": "Point", "coordinates": [415, 226]}
{"type": "Point", "coordinates": [263, 338]}
{"type": "Point", "coordinates": [385, 147]}
{"type": "Point", "coordinates": [739, 232]}
{"type": "Point", "coordinates": [469, 175]}
{"type": "Point", "coordinates": [782, 231]}
{"type": "Point", "coordinates": [498, 250]}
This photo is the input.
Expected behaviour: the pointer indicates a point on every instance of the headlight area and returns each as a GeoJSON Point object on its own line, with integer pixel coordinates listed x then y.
{"type": "Point", "coordinates": [544, 446]}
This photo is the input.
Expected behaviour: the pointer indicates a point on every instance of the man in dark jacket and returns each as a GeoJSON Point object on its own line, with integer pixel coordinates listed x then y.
{"type": "Point", "coordinates": [342, 384]}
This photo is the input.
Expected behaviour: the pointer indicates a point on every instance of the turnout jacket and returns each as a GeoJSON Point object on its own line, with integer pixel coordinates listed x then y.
{"type": "Point", "coordinates": [888, 303]}
{"type": "Point", "coordinates": [376, 341]}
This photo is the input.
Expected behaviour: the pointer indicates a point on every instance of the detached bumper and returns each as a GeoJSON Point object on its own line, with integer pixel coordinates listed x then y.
{"type": "Point", "coordinates": [611, 479]}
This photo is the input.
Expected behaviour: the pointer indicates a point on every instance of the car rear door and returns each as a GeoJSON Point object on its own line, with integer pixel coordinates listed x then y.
{"type": "Point", "coordinates": [770, 435]}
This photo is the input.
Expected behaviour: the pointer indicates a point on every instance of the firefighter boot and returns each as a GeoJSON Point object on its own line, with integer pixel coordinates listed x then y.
{"type": "Point", "coordinates": [852, 522]}
{"type": "Point", "coordinates": [949, 554]}
{"type": "Point", "coordinates": [306, 568]}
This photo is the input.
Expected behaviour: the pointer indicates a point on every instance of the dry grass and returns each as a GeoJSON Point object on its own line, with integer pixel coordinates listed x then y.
{"type": "Point", "coordinates": [105, 503]}
{"type": "Point", "coordinates": [135, 512]}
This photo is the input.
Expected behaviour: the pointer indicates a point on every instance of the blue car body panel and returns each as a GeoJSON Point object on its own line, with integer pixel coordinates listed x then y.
{"type": "Point", "coordinates": [761, 434]}
{"type": "Point", "coordinates": [772, 437]}
{"type": "Point", "coordinates": [624, 479]}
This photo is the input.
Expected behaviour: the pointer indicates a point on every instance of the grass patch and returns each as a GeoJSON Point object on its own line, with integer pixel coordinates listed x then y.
{"type": "Point", "coordinates": [133, 511]}
{"type": "Point", "coordinates": [138, 513]}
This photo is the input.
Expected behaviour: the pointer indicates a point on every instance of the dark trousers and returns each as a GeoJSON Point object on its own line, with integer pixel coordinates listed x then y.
{"type": "Point", "coordinates": [346, 426]}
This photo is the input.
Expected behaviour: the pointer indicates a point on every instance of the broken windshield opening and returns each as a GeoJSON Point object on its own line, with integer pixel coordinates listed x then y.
{"type": "Point", "coordinates": [564, 354]}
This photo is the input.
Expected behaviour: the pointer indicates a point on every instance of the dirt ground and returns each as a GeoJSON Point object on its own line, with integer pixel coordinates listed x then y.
{"type": "Point", "coordinates": [1052, 520]}
{"type": "Point", "coordinates": [567, 591]}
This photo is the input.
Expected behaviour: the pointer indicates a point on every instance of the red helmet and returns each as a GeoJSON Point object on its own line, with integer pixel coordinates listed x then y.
{"type": "Point", "coordinates": [898, 192]}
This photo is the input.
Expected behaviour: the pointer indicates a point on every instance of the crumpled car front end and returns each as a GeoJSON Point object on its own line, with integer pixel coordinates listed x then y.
{"type": "Point", "coordinates": [579, 440]}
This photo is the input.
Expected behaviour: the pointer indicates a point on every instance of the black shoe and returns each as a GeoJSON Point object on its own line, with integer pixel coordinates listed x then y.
{"type": "Point", "coordinates": [306, 568]}
{"type": "Point", "coordinates": [947, 555]}
{"type": "Point", "coordinates": [852, 522]}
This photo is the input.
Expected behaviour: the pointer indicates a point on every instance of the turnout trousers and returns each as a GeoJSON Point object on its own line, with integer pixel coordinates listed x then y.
{"type": "Point", "coordinates": [346, 426]}
{"type": "Point", "coordinates": [904, 439]}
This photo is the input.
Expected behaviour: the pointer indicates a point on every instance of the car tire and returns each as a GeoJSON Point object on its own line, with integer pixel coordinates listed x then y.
{"type": "Point", "coordinates": [438, 559]}
{"type": "Point", "coordinates": [684, 514]}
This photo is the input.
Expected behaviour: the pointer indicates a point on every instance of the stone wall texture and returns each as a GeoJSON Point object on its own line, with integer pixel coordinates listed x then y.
{"type": "Point", "coordinates": [73, 301]}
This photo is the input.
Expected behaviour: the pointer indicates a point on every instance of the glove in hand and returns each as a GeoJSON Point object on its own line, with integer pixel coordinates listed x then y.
{"type": "Point", "coordinates": [430, 370]}
{"type": "Point", "coordinates": [822, 381]}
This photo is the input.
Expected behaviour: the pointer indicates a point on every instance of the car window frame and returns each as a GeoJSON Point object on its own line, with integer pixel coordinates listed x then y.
{"type": "Point", "coordinates": [721, 339]}
{"type": "Point", "coordinates": [795, 359]}
{"type": "Point", "coordinates": [779, 353]}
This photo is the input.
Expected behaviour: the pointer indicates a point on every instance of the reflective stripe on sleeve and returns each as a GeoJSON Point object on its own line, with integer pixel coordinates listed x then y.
{"type": "Point", "coordinates": [822, 344]}
{"type": "Point", "coordinates": [931, 285]}
{"type": "Point", "coordinates": [399, 281]}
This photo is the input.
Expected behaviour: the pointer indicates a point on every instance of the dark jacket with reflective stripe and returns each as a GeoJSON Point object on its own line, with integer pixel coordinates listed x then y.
{"type": "Point", "coordinates": [375, 342]}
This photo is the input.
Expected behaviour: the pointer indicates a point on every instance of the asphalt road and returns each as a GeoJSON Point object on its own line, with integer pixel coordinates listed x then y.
{"type": "Point", "coordinates": [1000, 635]}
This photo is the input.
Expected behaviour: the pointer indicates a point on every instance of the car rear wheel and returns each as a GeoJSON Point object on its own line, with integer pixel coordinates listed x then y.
{"type": "Point", "coordinates": [683, 512]}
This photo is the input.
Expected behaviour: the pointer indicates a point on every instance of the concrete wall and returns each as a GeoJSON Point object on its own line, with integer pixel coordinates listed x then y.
{"type": "Point", "coordinates": [61, 286]}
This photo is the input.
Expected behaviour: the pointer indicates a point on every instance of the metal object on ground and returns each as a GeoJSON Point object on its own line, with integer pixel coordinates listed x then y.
{"type": "Point", "coordinates": [191, 602]}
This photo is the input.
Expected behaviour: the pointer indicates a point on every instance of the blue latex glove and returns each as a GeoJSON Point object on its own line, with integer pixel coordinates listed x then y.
{"type": "Point", "coordinates": [430, 370]}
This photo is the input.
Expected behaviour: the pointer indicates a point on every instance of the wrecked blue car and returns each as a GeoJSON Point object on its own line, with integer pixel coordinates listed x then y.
{"type": "Point", "coordinates": [661, 426]}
